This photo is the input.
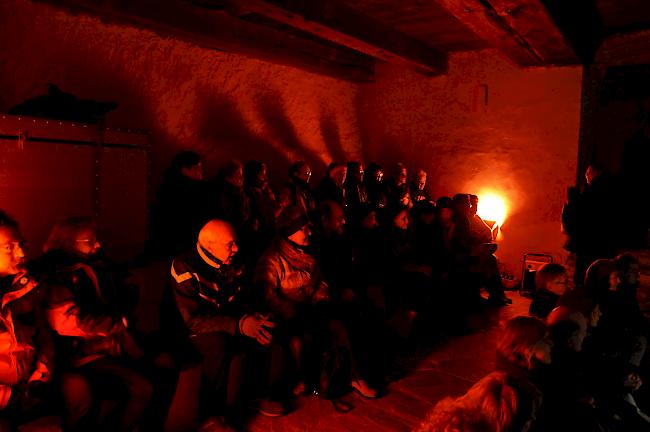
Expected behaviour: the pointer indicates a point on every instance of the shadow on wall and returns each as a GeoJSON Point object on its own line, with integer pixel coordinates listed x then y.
{"type": "Point", "coordinates": [223, 133]}
{"type": "Point", "coordinates": [282, 132]}
{"type": "Point", "coordinates": [332, 137]}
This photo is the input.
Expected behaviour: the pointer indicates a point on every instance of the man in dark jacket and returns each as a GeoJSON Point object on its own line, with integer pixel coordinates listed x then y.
{"type": "Point", "coordinates": [26, 349]}
{"type": "Point", "coordinates": [297, 192]}
{"type": "Point", "coordinates": [596, 227]}
{"type": "Point", "coordinates": [219, 317]}
{"type": "Point", "coordinates": [181, 208]}
{"type": "Point", "coordinates": [99, 355]}
{"type": "Point", "coordinates": [332, 187]}
{"type": "Point", "coordinates": [297, 293]}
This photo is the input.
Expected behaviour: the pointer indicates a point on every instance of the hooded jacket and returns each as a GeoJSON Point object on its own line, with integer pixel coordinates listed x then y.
{"type": "Point", "coordinates": [26, 349]}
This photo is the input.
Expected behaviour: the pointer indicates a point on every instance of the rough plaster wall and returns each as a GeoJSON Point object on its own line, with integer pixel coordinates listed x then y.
{"type": "Point", "coordinates": [522, 144]}
{"type": "Point", "coordinates": [220, 104]}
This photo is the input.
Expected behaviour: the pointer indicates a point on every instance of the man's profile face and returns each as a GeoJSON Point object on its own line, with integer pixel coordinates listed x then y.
{"type": "Point", "coordinates": [401, 177]}
{"type": "Point", "coordinates": [304, 173]}
{"type": "Point", "coordinates": [12, 256]}
{"type": "Point", "coordinates": [221, 241]}
{"type": "Point", "coordinates": [86, 243]}
{"type": "Point", "coordinates": [236, 178]}
{"type": "Point", "coordinates": [301, 237]}
{"type": "Point", "coordinates": [194, 172]}
{"type": "Point", "coordinates": [370, 222]}
{"type": "Point", "coordinates": [401, 220]}
{"type": "Point", "coordinates": [422, 181]}
{"type": "Point", "coordinates": [558, 285]}
{"type": "Point", "coordinates": [338, 175]}
{"type": "Point", "coordinates": [632, 382]}
{"type": "Point", "coordinates": [359, 174]}
{"type": "Point", "coordinates": [473, 202]}
{"type": "Point", "coordinates": [591, 174]}
{"type": "Point", "coordinates": [262, 178]}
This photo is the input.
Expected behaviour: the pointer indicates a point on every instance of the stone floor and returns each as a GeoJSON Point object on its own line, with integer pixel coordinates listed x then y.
{"type": "Point", "coordinates": [448, 370]}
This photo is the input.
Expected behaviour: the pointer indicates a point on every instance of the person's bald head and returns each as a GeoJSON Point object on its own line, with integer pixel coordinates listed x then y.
{"type": "Point", "coordinates": [219, 239]}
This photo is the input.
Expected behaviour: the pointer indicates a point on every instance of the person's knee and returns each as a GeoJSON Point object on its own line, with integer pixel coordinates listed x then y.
{"type": "Point", "coordinates": [140, 389]}
{"type": "Point", "coordinates": [76, 389]}
{"type": "Point", "coordinates": [77, 395]}
{"type": "Point", "coordinates": [212, 345]}
{"type": "Point", "coordinates": [339, 332]}
{"type": "Point", "coordinates": [337, 327]}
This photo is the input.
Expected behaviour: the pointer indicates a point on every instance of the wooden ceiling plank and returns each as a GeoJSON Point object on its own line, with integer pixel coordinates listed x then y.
{"type": "Point", "coordinates": [523, 30]}
{"type": "Point", "coordinates": [631, 48]}
{"type": "Point", "coordinates": [531, 20]}
{"type": "Point", "coordinates": [220, 31]}
{"type": "Point", "coordinates": [338, 23]}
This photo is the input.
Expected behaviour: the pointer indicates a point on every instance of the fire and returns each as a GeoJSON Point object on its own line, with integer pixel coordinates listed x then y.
{"type": "Point", "coordinates": [491, 207]}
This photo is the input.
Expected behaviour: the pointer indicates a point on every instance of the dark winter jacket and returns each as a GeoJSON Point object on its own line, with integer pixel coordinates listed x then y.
{"type": "Point", "coordinates": [289, 277]}
{"type": "Point", "coordinates": [209, 295]}
{"type": "Point", "coordinates": [298, 193]}
{"type": "Point", "coordinates": [81, 310]}
{"type": "Point", "coordinates": [328, 190]}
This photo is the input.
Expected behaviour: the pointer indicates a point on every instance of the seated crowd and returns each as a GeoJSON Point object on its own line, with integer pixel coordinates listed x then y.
{"type": "Point", "coordinates": [276, 294]}
{"type": "Point", "coordinates": [574, 364]}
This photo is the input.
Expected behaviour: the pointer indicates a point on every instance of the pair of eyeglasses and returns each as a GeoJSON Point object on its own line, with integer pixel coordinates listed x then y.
{"type": "Point", "coordinates": [89, 241]}
{"type": "Point", "coordinates": [9, 247]}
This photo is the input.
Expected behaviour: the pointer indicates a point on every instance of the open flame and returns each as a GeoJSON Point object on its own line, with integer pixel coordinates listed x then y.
{"type": "Point", "coordinates": [491, 207]}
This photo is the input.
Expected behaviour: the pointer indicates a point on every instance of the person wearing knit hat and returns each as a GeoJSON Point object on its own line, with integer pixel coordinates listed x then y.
{"type": "Point", "coordinates": [298, 295]}
{"type": "Point", "coordinates": [293, 224]}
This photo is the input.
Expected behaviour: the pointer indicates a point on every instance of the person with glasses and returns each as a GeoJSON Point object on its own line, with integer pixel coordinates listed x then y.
{"type": "Point", "coordinates": [215, 312]}
{"type": "Point", "coordinates": [550, 285]}
{"type": "Point", "coordinates": [99, 356]}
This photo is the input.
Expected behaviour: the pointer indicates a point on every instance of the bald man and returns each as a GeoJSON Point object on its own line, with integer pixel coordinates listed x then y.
{"type": "Point", "coordinates": [219, 318]}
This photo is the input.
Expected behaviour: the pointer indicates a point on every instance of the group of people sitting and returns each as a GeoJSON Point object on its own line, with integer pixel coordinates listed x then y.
{"type": "Point", "coordinates": [270, 296]}
{"type": "Point", "coordinates": [296, 290]}
{"type": "Point", "coordinates": [573, 364]}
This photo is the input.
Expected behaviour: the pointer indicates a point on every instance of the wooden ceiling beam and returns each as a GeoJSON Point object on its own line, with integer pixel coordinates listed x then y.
{"type": "Point", "coordinates": [631, 48]}
{"type": "Point", "coordinates": [219, 31]}
{"type": "Point", "coordinates": [523, 30]}
{"type": "Point", "coordinates": [343, 25]}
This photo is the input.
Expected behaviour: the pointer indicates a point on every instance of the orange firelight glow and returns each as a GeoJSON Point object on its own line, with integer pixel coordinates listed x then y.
{"type": "Point", "coordinates": [491, 207]}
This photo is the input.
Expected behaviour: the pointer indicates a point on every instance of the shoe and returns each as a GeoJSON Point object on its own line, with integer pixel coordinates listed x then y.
{"type": "Point", "coordinates": [215, 424]}
{"type": "Point", "coordinates": [300, 389]}
{"type": "Point", "coordinates": [341, 406]}
{"type": "Point", "coordinates": [362, 387]}
{"type": "Point", "coordinates": [270, 408]}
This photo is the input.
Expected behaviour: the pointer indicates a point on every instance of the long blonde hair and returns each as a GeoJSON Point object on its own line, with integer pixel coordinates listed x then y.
{"type": "Point", "coordinates": [520, 336]}
{"type": "Point", "coordinates": [491, 405]}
